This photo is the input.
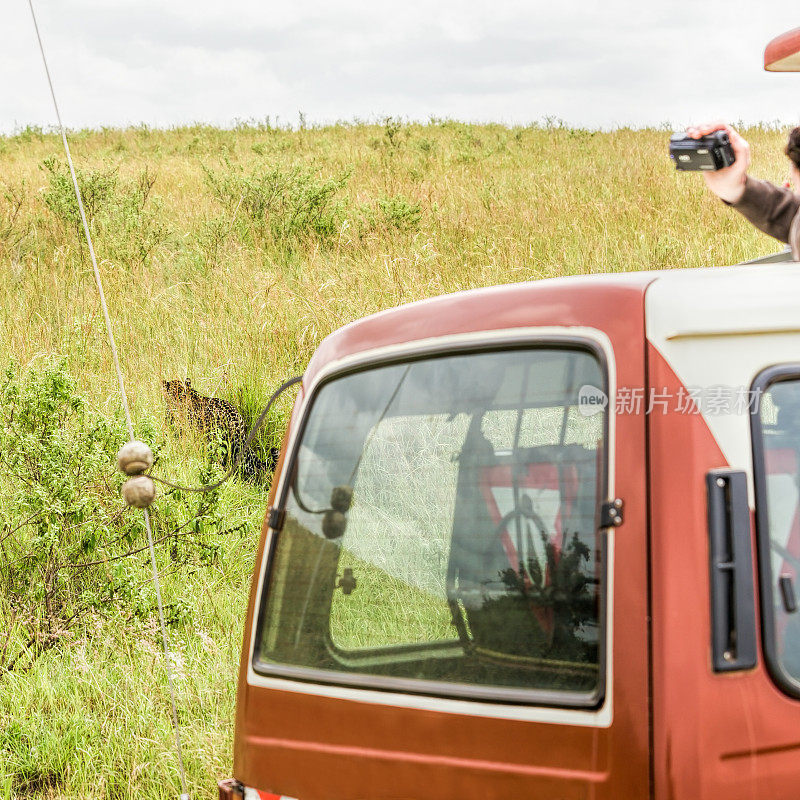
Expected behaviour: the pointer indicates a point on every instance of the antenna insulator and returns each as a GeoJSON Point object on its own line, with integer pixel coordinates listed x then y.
{"type": "Point", "coordinates": [139, 491]}
{"type": "Point", "coordinates": [134, 458]}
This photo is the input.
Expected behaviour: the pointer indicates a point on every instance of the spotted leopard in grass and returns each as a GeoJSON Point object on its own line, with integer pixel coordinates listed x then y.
{"type": "Point", "coordinates": [213, 416]}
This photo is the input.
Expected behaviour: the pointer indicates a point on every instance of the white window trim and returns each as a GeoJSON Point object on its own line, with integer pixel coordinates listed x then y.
{"type": "Point", "coordinates": [601, 717]}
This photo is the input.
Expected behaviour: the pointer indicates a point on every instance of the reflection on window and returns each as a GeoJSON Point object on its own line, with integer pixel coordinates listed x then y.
{"type": "Point", "coordinates": [780, 425]}
{"type": "Point", "coordinates": [441, 527]}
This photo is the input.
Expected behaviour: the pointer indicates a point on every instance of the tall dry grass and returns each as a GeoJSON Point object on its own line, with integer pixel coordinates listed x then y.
{"type": "Point", "coordinates": [227, 256]}
{"type": "Point", "coordinates": [218, 298]}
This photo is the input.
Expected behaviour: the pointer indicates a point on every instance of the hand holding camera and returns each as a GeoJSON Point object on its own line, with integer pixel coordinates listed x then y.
{"type": "Point", "coordinates": [724, 163]}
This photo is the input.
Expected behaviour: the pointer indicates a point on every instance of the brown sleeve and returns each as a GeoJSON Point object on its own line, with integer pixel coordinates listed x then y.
{"type": "Point", "coordinates": [769, 207]}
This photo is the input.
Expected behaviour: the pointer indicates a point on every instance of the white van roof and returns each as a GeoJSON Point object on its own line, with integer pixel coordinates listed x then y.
{"type": "Point", "coordinates": [721, 327]}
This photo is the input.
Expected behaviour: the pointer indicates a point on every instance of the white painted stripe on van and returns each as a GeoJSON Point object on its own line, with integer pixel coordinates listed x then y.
{"type": "Point", "coordinates": [722, 327]}
{"type": "Point", "coordinates": [599, 718]}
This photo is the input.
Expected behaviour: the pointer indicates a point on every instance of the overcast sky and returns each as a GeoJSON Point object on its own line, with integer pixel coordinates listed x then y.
{"type": "Point", "coordinates": [595, 64]}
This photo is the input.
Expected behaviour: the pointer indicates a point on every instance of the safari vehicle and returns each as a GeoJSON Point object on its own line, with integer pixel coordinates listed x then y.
{"type": "Point", "coordinates": [537, 541]}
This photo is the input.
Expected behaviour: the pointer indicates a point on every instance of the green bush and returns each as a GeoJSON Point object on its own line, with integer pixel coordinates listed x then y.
{"type": "Point", "coordinates": [285, 206]}
{"type": "Point", "coordinates": [98, 188]}
{"type": "Point", "coordinates": [124, 215]}
{"type": "Point", "coordinates": [70, 549]}
{"type": "Point", "coordinates": [387, 215]}
{"type": "Point", "coordinates": [400, 213]}
{"type": "Point", "coordinates": [60, 508]}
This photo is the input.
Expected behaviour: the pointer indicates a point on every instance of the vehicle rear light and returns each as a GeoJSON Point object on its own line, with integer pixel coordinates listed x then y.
{"type": "Point", "coordinates": [231, 789]}
{"type": "Point", "coordinates": [254, 794]}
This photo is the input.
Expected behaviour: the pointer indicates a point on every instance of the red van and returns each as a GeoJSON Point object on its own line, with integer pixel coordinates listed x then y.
{"type": "Point", "coordinates": [537, 541]}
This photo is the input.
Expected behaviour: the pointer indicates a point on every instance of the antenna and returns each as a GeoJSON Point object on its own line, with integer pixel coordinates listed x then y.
{"type": "Point", "coordinates": [125, 406]}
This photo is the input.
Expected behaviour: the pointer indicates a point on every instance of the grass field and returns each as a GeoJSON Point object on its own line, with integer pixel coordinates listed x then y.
{"type": "Point", "coordinates": [227, 256]}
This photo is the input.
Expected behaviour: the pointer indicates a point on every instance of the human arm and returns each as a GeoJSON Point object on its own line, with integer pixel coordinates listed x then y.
{"type": "Point", "coordinates": [770, 208]}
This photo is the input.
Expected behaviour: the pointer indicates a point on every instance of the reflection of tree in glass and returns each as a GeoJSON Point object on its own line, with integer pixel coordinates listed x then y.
{"type": "Point", "coordinates": [541, 614]}
{"type": "Point", "coordinates": [562, 587]}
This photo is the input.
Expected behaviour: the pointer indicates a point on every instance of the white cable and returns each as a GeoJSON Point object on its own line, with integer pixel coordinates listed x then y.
{"type": "Point", "coordinates": [126, 408]}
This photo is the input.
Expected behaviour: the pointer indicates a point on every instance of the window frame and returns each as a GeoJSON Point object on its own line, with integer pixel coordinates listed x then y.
{"type": "Point", "coordinates": [445, 689]}
{"type": "Point", "coordinates": [782, 373]}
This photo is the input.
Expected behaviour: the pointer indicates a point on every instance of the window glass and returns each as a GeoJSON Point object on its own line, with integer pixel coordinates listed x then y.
{"type": "Point", "coordinates": [780, 437]}
{"type": "Point", "coordinates": [440, 528]}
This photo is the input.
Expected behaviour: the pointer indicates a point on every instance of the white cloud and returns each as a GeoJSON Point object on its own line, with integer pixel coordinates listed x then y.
{"type": "Point", "coordinates": [118, 62]}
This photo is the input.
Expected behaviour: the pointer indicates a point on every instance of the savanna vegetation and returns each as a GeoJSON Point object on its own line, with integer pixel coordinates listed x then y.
{"type": "Point", "coordinates": [227, 256]}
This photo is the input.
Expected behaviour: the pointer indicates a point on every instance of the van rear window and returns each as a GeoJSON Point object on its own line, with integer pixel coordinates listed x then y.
{"type": "Point", "coordinates": [440, 532]}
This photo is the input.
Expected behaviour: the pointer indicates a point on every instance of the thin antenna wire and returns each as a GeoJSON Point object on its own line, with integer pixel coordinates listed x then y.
{"type": "Point", "coordinates": [126, 408]}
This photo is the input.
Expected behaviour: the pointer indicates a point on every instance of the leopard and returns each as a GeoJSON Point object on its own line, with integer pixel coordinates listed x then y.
{"type": "Point", "coordinates": [213, 416]}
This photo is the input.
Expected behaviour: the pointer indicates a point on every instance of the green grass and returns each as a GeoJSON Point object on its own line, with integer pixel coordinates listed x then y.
{"type": "Point", "coordinates": [227, 256]}
{"type": "Point", "coordinates": [384, 610]}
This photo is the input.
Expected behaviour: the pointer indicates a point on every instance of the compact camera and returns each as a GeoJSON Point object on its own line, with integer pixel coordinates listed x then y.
{"type": "Point", "coordinates": [711, 152]}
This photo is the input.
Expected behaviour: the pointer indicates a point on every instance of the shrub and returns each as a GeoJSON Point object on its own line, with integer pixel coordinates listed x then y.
{"type": "Point", "coordinates": [70, 550]}
{"type": "Point", "coordinates": [60, 505]}
{"type": "Point", "coordinates": [97, 189]}
{"type": "Point", "coordinates": [285, 206]}
{"type": "Point", "coordinates": [249, 399]}
{"type": "Point", "coordinates": [391, 129]}
{"type": "Point", "coordinates": [125, 215]}
{"type": "Point", "coordinates": [400, 213]}
{"type": "Point", "coordinates": [468, 145]}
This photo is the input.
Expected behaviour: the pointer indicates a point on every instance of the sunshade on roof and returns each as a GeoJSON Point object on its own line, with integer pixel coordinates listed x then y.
{"type": "Point", "coordinates": [783, 53]}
